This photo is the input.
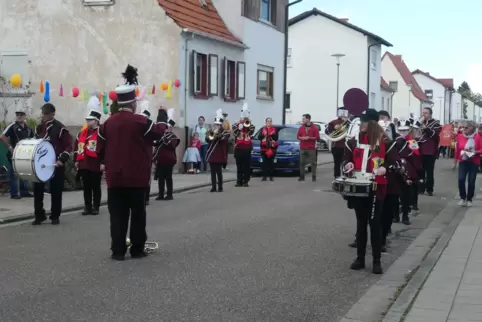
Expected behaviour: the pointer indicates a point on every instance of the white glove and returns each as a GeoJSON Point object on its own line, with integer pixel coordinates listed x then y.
{"type": "Point", "coordinates": [240, 126]}
{"type": "Point", "coordinates": [170, 113]}
{"type": "Point", "coordinates": [349, 166]}
{"type": "Point", "coordinates": [380, 171]}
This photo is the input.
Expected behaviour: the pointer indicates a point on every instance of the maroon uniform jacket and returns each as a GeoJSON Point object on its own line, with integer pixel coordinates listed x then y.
{"type": "Point", "coordinates": [330, 128]}
{"type": "Point", "coordinates": [127, 150]}
{"type": "Point", "coordinates": [58, 135]}
{"type": "Point", "coordinates": [89, 163]}
{"type": "Point", "coordinates": [165, 152]}
{"type": "Point", "coordinates": [430, 138]}
{"type": "Point", "coordinates": [391, 162]}
{"type": "Point", "coordinates": [243, 138]}
{"type": "Point", "coordinates": [397, 180]}
{"type": "Point", "coordinates": [217, 149]}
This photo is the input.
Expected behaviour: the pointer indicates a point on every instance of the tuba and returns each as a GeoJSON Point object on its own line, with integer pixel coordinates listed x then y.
{"type": "Point", "coordinates": [340, 133]}
{"type": "Point", "coordinates": [149, 247]}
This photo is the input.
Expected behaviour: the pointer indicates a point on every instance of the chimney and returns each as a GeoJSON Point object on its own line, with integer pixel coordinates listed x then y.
{"type": "Point", "coordinates": [344, 19]}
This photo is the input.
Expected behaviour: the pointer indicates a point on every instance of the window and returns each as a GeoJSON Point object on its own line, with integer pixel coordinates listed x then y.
{"type": "Point", "coordinates": [267, 11]}
{"type": "Point", "coordinates": [393, 85]}
{"type": "Point", "coordinates": [429, 93]}
{"type": "Point", "coordinates": [265, 82]}
{"type": "Point", "coordinates": [200, 75]}
{"type": "Point", "coordinates": [98, 2]}
{"type": "Point", "coordinates": [288, 58]}
{"type": "Point", "coordinates": [383, 103]}
{"type": "Point", "coordinates": [373, 59]}
{"type": "Point", "coordinates": [373, 97]}
{"type": "Point", "coordinates": [213, 75]}
{"type": "Point", "coordinates": [234, 80]}
{"type": "Point", "coordinates": [241, 80]}
{"type": "Point", "coordinates": [15, 62]}
{"type": "Point", "coordinates": [287, 101]}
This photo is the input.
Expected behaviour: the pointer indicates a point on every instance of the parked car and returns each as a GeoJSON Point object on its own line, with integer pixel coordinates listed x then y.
{"type": "Point", "coordinates": [288, 155]}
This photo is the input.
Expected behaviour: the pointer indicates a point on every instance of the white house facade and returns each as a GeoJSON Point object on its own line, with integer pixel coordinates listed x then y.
{"type": "Point", "coordinates": [386, 94]}
{"type": "Point", "coordinates": [409, 98]}
{"type": "Point", "coordinates": [456, 106]}
{"type": "Point", "coordinates": [315, 39]}
{"type": "Point", "coordinates": [439, 91]}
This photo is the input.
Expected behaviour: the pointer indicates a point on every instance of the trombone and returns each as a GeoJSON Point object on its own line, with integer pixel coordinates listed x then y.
{"type": "Point", "coordinates": [212, 134]}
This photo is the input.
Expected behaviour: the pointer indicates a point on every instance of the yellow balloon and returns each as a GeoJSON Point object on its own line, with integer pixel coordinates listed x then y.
{"type": "Point", "coordinates": [16, 80]}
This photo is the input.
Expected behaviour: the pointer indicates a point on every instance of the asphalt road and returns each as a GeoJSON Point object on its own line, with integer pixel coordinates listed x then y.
{"type": "Point", "coordinates": [272, 252]}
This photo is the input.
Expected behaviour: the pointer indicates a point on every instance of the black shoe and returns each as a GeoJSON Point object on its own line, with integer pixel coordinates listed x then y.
{"type": "Point", "coordinates": [358, 264]}
{"type": "Point", "coordinates": [39, 221]}
{"type": "Point", "coordinates": [377, 268]}
{"type": "Point", "coordinates": [264, 179]}
{"type": "Point", "coordinates": [55, 221]}
{"type": "Point", "coordinates": [160, 197]}
{"type": "Point", "coordinates": [220, 189]}
{"type": "Point", "coordinates": [313, 179]}
{"type": "Point", "coordinates": [384, 249]}
{"type": "Point", "coordinates": [415, 208]}
{"type": "Point", "coordinates": [396, 219]}
{"type": "Point", "coordinates": [429, 193]}
{"type": "Point", "coordinates": [27, 195]}
{"type": "Point", "coordinates": [87, 211]}
{"type": "Point", "coordinates": [169, 197]}
{"type": "Point", "coordinates": [353, 244]}
{"type": "Point", "coordinates": [270, 178]}
{"type": "Point", "coordinates": [238, 184]}
{"type": "Point", "coordinates": [117, 257]}
{"type": "Point", "coordinates": [213, 190]}
{"type": "Point", "coordinates": [95, 211]}
{"type": "Point", "coordinates": [405, 220]}
{"type": "Point", "coordinates": [301, 179]}
{"type": "Point", "coordinates": [147, 202]}
{"type": "Point", "coordinates": [16, 197]}
{"type": "Point", "coordinates": [246, 185]}
{"type": "Point", "coordinates": [139, 255]}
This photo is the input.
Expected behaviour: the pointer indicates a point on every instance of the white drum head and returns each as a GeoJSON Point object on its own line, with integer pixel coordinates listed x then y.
{"type": "Point", "coordinates": [44, 161]}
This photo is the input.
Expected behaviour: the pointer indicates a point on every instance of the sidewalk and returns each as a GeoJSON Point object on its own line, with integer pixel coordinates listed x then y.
{"type": "Point", "coordinates": [453, 290]}
{"type": "Point", "coordinates": [17, 210]}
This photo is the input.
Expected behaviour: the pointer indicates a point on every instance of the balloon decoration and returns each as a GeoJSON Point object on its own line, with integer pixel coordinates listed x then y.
{"type": "Point", "coordinates": [164, 87]}
{"type": "Point", "coordinates": [47, 92]}
{"type": "Point", "coordinates": [86, 95]}
{"type": "Point", "coordinates": [75, 92]}
{"type": "Point", "coordinates": [113, 95]}
{"type": "Point", "coordinates": [16, 80]}
{"type": "Point", "coordinates": [169, 89]}
{"type": "Point", "coordinates": [61, 92]}
{"type": "Point", "coordinates": [177, 83]}
{"type": "Point", "coordinates": [104, 104]}
{"type": "Point", "coordinates": [41, 87]}
{"type": "Point", "coordinates": [153, 89]}
{"type": "Point", "coordinates": [137, 91]}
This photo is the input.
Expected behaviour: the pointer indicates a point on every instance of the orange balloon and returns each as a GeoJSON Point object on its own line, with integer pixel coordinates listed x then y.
{"type": "Point", "coordinates": [164, 86]}
{"type": "Point", "coordinates": [137, 91]}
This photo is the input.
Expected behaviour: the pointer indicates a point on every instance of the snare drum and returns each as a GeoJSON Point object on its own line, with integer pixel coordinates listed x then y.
{"type": "Point", "coordinates": [34, 160]}
{"type": "Point", "coordinates": [353, 187]}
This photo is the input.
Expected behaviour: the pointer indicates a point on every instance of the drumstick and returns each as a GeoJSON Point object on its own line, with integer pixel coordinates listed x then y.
{"type": "Point", "coordinates": [43, 166]}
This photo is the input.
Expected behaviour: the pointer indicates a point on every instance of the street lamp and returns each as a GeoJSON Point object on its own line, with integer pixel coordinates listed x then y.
{"type": "Point", "coordinates": [338, 58]}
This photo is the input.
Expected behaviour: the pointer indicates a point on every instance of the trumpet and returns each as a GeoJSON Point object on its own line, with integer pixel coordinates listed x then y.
{"type": "Point", "coordinates": [212, 134]}
{"type": "Point", "coordinates": [149, 247]}
{"type": "Point", "coordinates": [247, 122]}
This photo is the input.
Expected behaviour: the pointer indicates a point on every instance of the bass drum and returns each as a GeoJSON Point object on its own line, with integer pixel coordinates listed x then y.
{"type": "Point", "coordinates": [34, 160]}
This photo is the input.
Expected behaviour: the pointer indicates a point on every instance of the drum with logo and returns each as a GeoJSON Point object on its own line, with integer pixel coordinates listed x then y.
{"type": "Point", "coordinates": [34, 160]}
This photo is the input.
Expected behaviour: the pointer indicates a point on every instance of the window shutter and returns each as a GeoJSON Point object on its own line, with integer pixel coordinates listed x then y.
{"type": "Point", "coordinates": [225, 77]}
{"type": "Point", "coordinates": [235, 94]}
{"type": "Point", "coordinates": [240, 80]}
{"type": "Point", "coordinates": [274, 12]}
{"type": "Point", "coordinates": [193, 72]}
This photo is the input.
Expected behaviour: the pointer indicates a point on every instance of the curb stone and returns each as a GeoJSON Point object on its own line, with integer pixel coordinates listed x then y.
{"type": "Point", "coordinates": [405, 276]}
{"type": "Point", "coordinates": [22, 217]}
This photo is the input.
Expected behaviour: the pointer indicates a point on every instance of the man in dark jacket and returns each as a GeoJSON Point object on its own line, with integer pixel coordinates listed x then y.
{"type": "Point", "coordinates": [429, 142]}
{"type": "Point", "coordinates": [52, 130]}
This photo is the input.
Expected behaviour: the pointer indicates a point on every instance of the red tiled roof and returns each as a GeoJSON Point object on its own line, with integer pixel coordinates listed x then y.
{"type": "Point", "coordinates": [406, 75]}
{"type": "Point", "coordinates": [383, 83]}
{"type": "Point", "coordinates": [191, 14]}
{"type": "Point", "coordinates": [447, 82]}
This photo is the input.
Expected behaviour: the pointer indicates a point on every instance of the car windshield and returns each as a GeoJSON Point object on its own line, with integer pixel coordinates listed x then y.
{"type": "Point", "coordinates": [284, 133]}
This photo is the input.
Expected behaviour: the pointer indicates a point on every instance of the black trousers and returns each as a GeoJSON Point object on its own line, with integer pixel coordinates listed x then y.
{"type": "Point", "coordinates": [390, 210]}
{"type": "Point", "coordinates": [337, 159]}
{"type": "Point", "coordinates": [243, 165]}
{"type": "Point", "coordinates": [226, 163]}
{"type": "Point", "coordinates": [414, 191]}
{"type": "Point", "coordinates": [406, 198]}
{"type": "Point", "coordinates": [92, 191]}
{"type": "Point", "coordinates": [268, 165]}
{"type": "Point", "coordinates": [122, 203]}
{"type": "Point", "coordinates": [363, 210]}
{"type": "Point", "coordinates": [428, 162]}
{"type": "Point", "coordinates": [56, 190]}
{"type": "Point", "coordinates": [164, 178]}
{"type": "Point", "coordinates": [216, 174]}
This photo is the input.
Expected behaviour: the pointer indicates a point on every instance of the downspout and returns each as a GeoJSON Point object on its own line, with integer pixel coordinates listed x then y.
{"type": "Point", "coordinates": [368, 67]}
{"type": "Point", "coordinates": [186, 90]}
{"type": "Point", "coordinates": [287, 12]}
{"type": "Point", "coordinates": [391, 104]}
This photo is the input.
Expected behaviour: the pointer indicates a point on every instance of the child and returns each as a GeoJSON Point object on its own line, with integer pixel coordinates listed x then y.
{"type": "Point", "coordinates": [192, 156]}
{"type": "Point", "coordinates": [165, 158]}
{"type": "Point", "coordinates": [216, 153]}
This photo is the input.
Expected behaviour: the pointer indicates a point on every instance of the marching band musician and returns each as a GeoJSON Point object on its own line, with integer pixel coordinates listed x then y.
{"type": "Point", "coordinates": [52, 130]}
{"type": "Point", "coordinates": [243, 132]}
{"type": "Point", "coordinates": [165, 159]}
{"type": "Point", "coordinates": [216, 155]}
{"type": "Point", "coordinates": [368, 210]}
{"type": "Point", "coordinates": [87, 162]}
{"type": "Point", "coordinates": [338, 147]}
{"type": "Point", "coordinates": [146, 112]}
{"type": "Point", "coordinates": [416, 161]}
{"type": "Point", "coordinates": [269, 143]}
{"type": "Point", "coordinates": [429, 142]}
{"type": "Point", "coordinates": [127, 153]}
